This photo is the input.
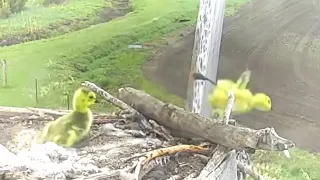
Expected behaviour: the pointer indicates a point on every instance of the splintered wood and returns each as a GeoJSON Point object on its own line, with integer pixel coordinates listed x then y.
{"type": "Point", "coordinates": [149, 160]}
{"type": "Point", "coordinates": [173, 149]}
{"type": "Point", "coordinates": [170, 150]}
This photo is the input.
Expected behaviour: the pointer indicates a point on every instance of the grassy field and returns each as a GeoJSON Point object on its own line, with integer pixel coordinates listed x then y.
{"type": "Point", "coordinates": [233, 6]}
{"type": "Point", "coordinates": [50, 21]}
{"type": "Point", "coordinates": [38, 21]}
{"type": "Point", "coordinates": [98, 53]}
{"type": "Point", "coordinates": [302, 165]}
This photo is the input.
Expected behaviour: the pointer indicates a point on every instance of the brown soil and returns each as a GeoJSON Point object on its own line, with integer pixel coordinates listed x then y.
{"type": "Point", "coordinates": [171, 63]}
{"type": "Point", "coordinates": [278, 41]}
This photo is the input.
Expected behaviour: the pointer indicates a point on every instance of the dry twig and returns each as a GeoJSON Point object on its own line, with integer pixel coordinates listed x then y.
{"type": "Point", "coordinates": [115, 101]}
{"type": "Point", "coordinates": [228, 110]}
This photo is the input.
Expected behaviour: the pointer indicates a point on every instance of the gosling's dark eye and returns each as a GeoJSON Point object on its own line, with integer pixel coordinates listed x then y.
{"type": "Point", "coordinates": [269, 101]}
{"type": "Point", "coordinates": [90, 97]}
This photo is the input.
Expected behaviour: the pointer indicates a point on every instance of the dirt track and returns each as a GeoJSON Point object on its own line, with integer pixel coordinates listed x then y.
{"type": "Point", "coordinates": [279, 41]}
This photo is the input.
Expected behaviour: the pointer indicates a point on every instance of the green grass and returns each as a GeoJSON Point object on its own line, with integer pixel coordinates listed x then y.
{"type": "Point", "coordinates": [102, 48]}
{"type": "Point", "coordinates": [98, 54]}
{"type": "Point", "coordinates": [52, 20]}
{"type": "Point", "coordinates": [302, 165]}
{"type": "Point", "coordinates": [233, 6]}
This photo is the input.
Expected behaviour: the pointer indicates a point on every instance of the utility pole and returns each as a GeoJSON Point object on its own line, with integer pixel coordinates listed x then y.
{"type": "Point", "coordinates": [206, 53]}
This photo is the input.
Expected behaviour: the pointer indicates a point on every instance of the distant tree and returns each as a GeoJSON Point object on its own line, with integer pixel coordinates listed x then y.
{"type": "Point", "coordinates": [17, 5]}
{"type": "Point", "coordinates": [4, 9]}
{"type": "Point", "coordinates": [11, 6]}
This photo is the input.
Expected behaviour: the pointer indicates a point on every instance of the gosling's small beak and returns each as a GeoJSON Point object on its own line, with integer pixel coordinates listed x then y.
{"type": "Point", "coordinates": [271, 108]}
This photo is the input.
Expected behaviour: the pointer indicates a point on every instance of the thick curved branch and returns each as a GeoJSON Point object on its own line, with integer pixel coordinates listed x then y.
{"type": "Point", "coordinates": [186, 124]}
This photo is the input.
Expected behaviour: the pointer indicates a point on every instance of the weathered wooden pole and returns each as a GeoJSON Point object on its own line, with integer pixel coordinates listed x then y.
{"type": "Point", "coordinates": [205, 58]}
{"type": "Point", "coordinates": [206, 54]}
